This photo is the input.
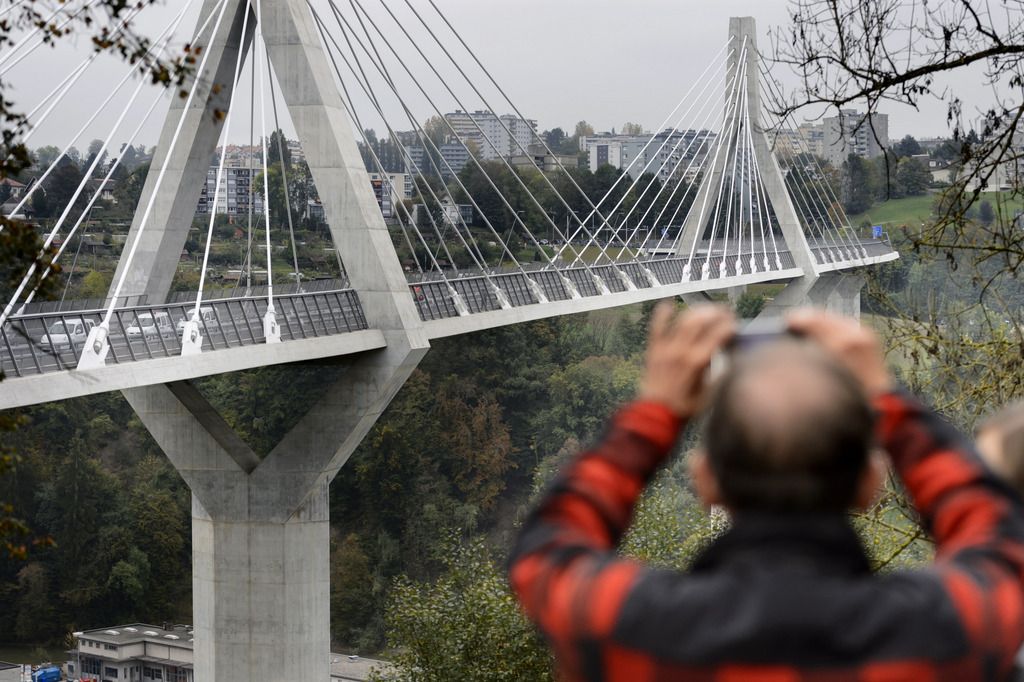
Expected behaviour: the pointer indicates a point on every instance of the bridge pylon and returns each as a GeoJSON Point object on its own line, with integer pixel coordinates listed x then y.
{"type": "Point", "coordinates": [260, 527]}
{"type": "Point", "coordinates": [834, 291]}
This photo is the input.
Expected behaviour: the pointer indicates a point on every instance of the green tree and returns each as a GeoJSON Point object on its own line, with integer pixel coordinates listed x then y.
{"type": "Point", "coordinates": [986, 214]}
{"type": "Point", "coordinates": [554, 138]}
{"type": "Point", "coordinates": [95, 284]}
{"type": "Point", "coordinates": [353, 602]}
{"type": "Point", "coordinates": [908, 146]}
{"type": "Point", "coordinates": [630, 128]}
{"type": "Point", "coordinates": [913, 177]}
{"type": "Point", "coordinates": [465, 626]}
{"type": "Point", "coordinates": [583, 395]}
{"type": "Point", "coordinates": [860, 184]}
{"type": "Point", "coordinates": [749, 305]}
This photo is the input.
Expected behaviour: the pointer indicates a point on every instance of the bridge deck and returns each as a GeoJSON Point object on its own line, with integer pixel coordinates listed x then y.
{"type": "Point", "coordinates": [47, 345]}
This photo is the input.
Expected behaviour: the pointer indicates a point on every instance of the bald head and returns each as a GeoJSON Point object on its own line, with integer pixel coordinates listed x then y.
{"type": "Point", "coordinates": [789, 431]}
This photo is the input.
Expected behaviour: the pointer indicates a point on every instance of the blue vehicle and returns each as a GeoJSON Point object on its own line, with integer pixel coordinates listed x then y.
{"type": "Point", "coordinates": [46, 675]}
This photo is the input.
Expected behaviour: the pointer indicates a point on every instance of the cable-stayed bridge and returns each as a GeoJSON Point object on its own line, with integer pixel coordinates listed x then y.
{"type": "Point", "coordinates": [718, 203]}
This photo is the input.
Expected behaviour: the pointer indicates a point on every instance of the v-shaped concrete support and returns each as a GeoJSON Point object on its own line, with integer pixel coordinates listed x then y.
{"type": "Point", "coordinates": [260, 527]}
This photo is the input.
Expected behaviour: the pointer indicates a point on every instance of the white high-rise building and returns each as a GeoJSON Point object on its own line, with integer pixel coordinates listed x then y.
{"type": "Point", "coordinates": [494, 136]}
{"type": "Point", "coordinates": [854, 133]}
{"type": "Point", "coordinates": [235, 192]}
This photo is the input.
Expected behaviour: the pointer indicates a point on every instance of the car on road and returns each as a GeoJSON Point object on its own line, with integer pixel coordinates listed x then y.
{"type": "Point", "coordinates": [62, 334]}
{"type": "Point", "coordinates": [207, 319]}
{"type": "Point", "coordinates": [150, 326]}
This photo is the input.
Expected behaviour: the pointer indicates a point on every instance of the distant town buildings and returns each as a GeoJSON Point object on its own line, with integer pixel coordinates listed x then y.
{"type": "Point", "coordinates": [454, 155]}
{"type": "Point", "coordinates": [852, 133]}
{"type": "Point", "coordinates": [494, 136]}
{"type": "Point", "coordinates": [16, 188]}
{"type": "Point", "coordinates": [390, 189]}
{"type": "Point", "coordinates": [235, 192]}
{"type": "Point", "coordinates": [539, 157]}
{"type": "Point", "coordinates": [672, 153]}
{"type": "Point", "coordinates": [807, 138]}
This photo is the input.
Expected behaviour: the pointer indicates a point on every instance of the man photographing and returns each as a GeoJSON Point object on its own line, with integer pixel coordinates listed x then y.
{"type": "Point", "coordinates": [787, 593]}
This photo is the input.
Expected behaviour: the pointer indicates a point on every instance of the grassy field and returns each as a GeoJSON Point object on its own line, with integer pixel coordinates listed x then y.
{"type": "Point", "coordinates": [916, 210]}
{"type": "Point", "coordinates": [909, 211]}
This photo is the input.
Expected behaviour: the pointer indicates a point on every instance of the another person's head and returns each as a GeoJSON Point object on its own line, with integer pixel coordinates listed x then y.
{"type": "Point", "coordinates": [1000, 440]}
{"type": "Point", "coordinates": [789, 430]}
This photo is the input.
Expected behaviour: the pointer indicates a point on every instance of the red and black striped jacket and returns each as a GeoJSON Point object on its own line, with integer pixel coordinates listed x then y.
{"type": "Point", "coordinates": [777, 599]}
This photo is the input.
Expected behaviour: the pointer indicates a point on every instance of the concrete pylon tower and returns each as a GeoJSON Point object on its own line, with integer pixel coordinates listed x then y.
{"type": "Point", "coordinates": [745, 58]}
{"type": "Point", "coordinates": [260, 526]}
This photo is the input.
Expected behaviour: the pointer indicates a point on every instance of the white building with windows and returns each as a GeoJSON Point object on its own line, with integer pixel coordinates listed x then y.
{"type": "Point", "coordinates": [495, 136]}
{"type": "Point", "coordinates": [671, 154]}
{"type": "Point", "coordinates": [390, 189]}
{"type": "Point", "coordinates": [133, 653]}
{"type": "Point", "coordinates": [236, 191]}
{"type": "Point", "coordinates": [854, 133]}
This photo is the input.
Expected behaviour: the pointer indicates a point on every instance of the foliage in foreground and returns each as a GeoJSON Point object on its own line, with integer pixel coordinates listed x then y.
{"type": "Point", "coordinates": [465, 626]}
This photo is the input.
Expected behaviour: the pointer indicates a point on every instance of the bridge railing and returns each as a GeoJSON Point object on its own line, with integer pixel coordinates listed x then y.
{"type": "Point", "coordinates": [434, 300]}
{"type": "Point", "coordinates": [50, 342]}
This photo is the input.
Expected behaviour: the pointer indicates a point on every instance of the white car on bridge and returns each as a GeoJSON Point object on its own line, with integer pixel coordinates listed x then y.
{"type": "Point", "coordinates": [63, 333]}
{"type": "Point", "coordinates": [207, 318]}
{"type": "Point", "coordinates": [150, 325]}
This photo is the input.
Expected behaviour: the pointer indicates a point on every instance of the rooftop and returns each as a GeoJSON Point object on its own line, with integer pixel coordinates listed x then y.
{"type": "Point", "coordinates": [180, 635]}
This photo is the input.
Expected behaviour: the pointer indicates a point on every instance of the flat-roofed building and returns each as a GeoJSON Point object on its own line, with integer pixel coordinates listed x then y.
{"type": "Point", "coordinates": [137, 653]}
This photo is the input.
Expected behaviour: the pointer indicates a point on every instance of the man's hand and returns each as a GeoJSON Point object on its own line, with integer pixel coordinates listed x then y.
{"type": "Point", "coordinates": [855, 346]}
{"type": "Point", "coordinates": [679, 350]}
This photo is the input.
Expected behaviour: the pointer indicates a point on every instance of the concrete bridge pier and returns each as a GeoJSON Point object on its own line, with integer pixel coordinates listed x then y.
{"type": "Point", "coordinates": [260, 526]}
{"type": "Point", "coordinates": [836, 292]}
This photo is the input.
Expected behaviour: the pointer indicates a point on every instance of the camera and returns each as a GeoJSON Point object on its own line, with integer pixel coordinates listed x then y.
{"type": "Point", "coordinates": [754, 334]}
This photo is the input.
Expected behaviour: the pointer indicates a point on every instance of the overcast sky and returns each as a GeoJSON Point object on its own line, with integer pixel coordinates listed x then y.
{"type": "Point", "coordinates": [605, 61]}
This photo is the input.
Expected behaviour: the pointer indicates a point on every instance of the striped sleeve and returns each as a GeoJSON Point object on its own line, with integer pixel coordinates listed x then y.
{"type": "Point", "coordinates": [562, 568]}
{"type": "Point", "coordinates": [975, 518]}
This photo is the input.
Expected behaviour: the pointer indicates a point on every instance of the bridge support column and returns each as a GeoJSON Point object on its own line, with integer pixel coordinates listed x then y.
{"type": "Point", "coordinates": [260, 526]}
{"type": "Point", "coordinates": [838, 293]}
{"type": "Point", "coordinates": [261, 594]}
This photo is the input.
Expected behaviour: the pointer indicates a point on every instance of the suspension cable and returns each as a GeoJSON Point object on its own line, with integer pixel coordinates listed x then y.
{"type": "Point", "coordinates": [225, 136]}
{"type": "Point", "coordinates": [105, 324]}
{"type": "Point", "coordinates": [350, 107]}
{"type": "Point", "coordinates": [86, 177]}
{"type": "Point", "coordinates": [514, 139]}
{"type": "Point", "coordinates": [709, 106]}
{"type": "Point", "coordinates": [426, 138]}
{"type": "Point", "coordinates": [731, 103]}
{"type": "Point", "coordinates": [505, 161]}
{"type": "Point", "coordinates": [114, 165]}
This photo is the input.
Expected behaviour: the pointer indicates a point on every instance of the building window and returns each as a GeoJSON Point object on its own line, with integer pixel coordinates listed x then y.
{"type": "Point", "coordinates": [110, 647]}
{"type": "Point", "coordinates": [110, 672]}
